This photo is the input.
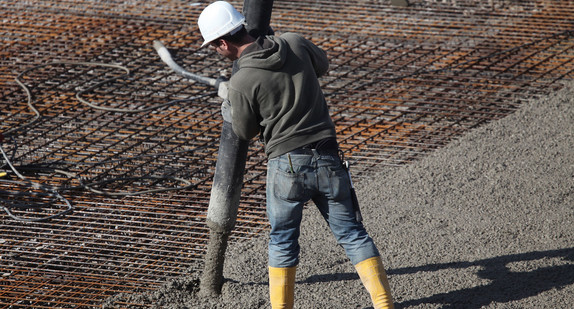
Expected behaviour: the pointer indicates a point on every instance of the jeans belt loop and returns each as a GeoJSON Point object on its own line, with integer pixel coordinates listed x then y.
{"type": "Point", "coordinates": [309, 151]}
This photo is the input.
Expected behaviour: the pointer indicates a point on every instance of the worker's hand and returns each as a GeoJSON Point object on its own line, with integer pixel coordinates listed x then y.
{"type": "Point", "coordinates": [226, 111]}
{"type": "Point", "coordinates": [223, 90]}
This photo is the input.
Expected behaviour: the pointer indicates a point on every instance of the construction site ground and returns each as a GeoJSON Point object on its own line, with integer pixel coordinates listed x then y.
{"type": "Point", "coordinates": [456, 116]}
{"type": "Point", "coordinates": [486, 222]}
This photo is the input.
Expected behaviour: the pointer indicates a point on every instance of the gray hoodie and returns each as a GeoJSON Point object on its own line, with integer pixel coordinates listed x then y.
{"type": "Point", "coordinates": [276, 92]}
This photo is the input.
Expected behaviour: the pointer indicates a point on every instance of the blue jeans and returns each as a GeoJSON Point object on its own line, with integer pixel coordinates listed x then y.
{"type": "Point", "coordinates": [322, 179]}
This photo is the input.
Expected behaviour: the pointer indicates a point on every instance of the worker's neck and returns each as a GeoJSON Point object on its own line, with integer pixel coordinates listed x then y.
{"type": "Point", "coordinates": [246, 43]}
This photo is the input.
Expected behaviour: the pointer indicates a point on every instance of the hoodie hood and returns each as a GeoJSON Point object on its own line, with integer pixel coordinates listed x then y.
{"type": "Point", "coordinates": [267, 53]}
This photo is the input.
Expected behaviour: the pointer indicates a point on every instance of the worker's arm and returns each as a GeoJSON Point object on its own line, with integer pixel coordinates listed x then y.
{"type": "Point", "coordinates": [317, 55]}
{"type": "Point", "coordinates": [244, 119]}
{"type": "Point", "coordinates": [319, 59]}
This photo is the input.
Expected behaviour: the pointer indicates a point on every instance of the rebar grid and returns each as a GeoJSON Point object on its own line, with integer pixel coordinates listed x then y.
{"type": "Point", "coordinates": [403, 82]}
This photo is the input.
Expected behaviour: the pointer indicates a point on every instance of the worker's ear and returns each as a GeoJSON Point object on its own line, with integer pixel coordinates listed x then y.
{"type": "Point", "coordinates": [223, 44]}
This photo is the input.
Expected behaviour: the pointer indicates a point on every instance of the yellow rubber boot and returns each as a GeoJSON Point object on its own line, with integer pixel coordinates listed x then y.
{"type": "Point", "coordinates": [375, 280]}
{"type": "Point", "coordinates": [282, 287]}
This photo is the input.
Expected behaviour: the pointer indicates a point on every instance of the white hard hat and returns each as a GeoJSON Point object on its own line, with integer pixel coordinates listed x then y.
{"type": "Point", "coordinates": [218, 19]}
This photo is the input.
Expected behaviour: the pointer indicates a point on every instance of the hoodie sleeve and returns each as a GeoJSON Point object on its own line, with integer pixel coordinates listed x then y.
{"type": "Point", "coordinates": [317, 55]}
{"type": "Point", "coordinates": [245, 120]}
{"type": "Point", "coordinates": [319, 58]}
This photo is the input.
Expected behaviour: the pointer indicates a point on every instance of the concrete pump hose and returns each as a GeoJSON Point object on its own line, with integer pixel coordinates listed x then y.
{"type": "Point", "coordinates": [166, 57]}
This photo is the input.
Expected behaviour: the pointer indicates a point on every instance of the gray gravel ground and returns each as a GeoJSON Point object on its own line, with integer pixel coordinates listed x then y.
{"type": "Point", "coordinates": [486, 222]}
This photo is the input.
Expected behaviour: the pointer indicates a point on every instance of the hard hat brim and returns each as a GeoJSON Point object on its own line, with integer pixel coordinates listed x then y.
{"type": "Point", "coordinates": [232, 32]}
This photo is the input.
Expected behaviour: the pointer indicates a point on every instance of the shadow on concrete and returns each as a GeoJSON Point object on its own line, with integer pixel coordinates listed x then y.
{"type": "Point", "coordinates": [505, 284]}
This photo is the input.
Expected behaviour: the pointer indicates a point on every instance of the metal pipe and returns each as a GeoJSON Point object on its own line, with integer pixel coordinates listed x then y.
{"type": "Point", "coordinates": [229, 170]}
{"type": "Point", "coordinates": [258, 16]}
{"type": "Point", "coordinates": [227, 181]}
{"type": "Point", "coordinates": [223, 207]}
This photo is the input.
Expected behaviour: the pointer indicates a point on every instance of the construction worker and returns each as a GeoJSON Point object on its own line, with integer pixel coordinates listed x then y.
{"type": "Point", "coordinates": [275, 93]}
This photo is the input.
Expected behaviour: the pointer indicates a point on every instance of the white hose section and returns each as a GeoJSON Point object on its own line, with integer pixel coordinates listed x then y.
{"type": "Point", "coordinates": [166, 57]}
